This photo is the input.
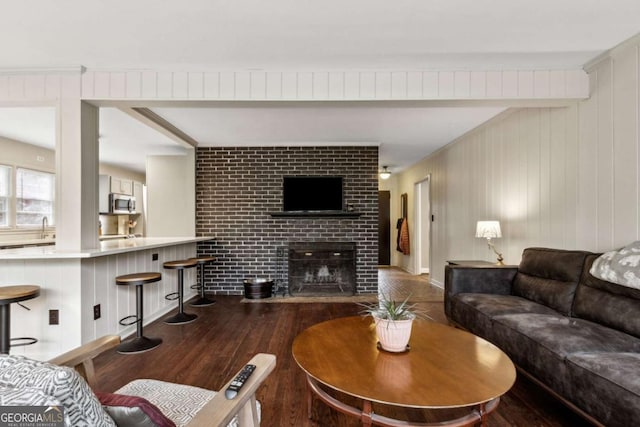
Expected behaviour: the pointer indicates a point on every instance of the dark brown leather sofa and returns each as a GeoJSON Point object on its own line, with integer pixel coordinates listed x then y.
{"type": "Point", "coordinates": [574, 334]}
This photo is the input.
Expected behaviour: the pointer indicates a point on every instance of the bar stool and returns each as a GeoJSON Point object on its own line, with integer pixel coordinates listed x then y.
{"type": "Point", "coordinates": [203, 301]}
{"type": "Point", "coordinates": [140, 343]}
{"type": "Point", "coordinates": [181, 317]}
{"type": "Point", "coordinates": [8, 295]}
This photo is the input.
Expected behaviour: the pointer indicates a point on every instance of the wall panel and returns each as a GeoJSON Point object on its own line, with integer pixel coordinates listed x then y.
{"type": "Point", "coordinates": [323, 84]}
{"type": "Point", "coordinates": [556, 177]}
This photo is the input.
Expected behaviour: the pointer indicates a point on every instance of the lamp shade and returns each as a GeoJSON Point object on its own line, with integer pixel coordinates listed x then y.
{"type": "Point", "coordinates": [488, 229]}
{"type": "Point", "coordinates": [385, 174]}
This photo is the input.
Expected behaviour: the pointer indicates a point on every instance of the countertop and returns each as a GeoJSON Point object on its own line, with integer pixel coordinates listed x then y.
{"type": "Point", "coordinates": [107, 247]}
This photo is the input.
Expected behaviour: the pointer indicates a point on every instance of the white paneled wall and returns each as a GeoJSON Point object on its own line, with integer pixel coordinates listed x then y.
{"type": "Point", "coordinates": [334, 85]}
{"type": "Point", "coordinates": [556, 177]}
{"type": "Point", "coordinates": [60, 290]}
{"type": "Point", "coordinates": [98, 287]}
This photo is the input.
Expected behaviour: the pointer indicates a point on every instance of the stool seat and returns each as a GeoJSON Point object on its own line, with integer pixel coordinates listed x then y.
{"type": "Point", "coordinates": [138, 278]}
{"type": "Point", "coordinates": [10, 294]}
{"type": "Point", "coordinates": [204, 259]}
{"type": "Point", "coordinates": [139, 343]}
{"type": "Point", "coordinates": [185, 263]}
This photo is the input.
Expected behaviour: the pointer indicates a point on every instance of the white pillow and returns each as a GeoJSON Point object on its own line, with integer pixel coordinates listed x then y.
{"type": "Point", "coordinates": [621, 267]}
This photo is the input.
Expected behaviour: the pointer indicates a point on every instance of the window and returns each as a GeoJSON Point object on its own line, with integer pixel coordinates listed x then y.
{"type": "Point", "coordinates": [5, 194]}
{"type": "Point", "coordinates": [34, 197]}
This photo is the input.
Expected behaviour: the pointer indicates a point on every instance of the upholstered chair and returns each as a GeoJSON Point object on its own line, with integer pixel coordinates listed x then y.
{"type": "Point", "coordinates": [67, 380]}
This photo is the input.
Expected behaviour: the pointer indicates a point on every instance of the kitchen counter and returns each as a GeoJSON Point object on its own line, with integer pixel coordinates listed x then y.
{"type": "Point", "coordinates": [29, 242]}
{"type": "Point", "coordinates": [107, 247]}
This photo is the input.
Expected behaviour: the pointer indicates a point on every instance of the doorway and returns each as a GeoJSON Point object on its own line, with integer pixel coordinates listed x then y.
{"type": "Point", "coordinates": [423, 226]}
{"type": "Point", "coordinates": [384, 228]}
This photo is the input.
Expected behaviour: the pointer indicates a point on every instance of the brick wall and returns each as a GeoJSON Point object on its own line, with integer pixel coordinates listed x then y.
{"type": "Point", "coordinates": [238, 187]}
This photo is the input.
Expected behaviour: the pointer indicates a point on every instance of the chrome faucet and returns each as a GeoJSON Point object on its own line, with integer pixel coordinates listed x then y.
{"type": "Point", "coordinates": [45, 223]}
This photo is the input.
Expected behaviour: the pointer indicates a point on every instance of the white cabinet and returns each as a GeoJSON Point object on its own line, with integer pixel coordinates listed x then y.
{"type": "Point", "coordinates": [121, 186]}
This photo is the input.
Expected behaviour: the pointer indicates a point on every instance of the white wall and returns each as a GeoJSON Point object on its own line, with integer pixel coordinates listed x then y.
{"type": "Point", "coordinates": [171, 208]}
{"type": "Point", "coordinates": [555, 177]}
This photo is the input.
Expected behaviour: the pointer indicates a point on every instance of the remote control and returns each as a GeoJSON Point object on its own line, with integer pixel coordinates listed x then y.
{"type": "Point", "coordinates": [237, 383]}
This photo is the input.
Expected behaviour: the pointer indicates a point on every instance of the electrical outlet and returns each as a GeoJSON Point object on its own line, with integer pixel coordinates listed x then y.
{"type": "Point", "coordinates": [54, 317]}
{"type": "Point", "coordinates": [96, 312]}
{"type": "Point", "coordinates": [154, 257]}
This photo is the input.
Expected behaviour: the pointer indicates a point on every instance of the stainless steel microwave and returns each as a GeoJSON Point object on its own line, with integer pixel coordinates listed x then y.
{"type": "Point", "coordinates": [121, 204]}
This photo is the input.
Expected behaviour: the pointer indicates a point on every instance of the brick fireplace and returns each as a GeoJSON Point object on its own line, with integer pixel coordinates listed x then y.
{"type": "Point", "coordinates": [238, 189]}
{"type": "Point", "coordinates": [322, 268]}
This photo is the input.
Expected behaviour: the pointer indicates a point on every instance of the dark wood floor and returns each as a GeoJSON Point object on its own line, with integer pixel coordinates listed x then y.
{"type": "Point", "coordinates": [209, 351]}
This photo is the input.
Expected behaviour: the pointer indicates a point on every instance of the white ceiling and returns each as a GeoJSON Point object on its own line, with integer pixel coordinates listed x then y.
{"type": "Point", "coordinates": [311, 34]}
{"type": "Point", "coordinates": [303, 35]}
{"type": "Point", "coordinates": [404, 134]}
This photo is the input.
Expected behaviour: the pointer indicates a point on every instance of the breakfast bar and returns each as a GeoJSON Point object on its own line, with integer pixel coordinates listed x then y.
{"type": "Point", "coordinates": [79, 300]}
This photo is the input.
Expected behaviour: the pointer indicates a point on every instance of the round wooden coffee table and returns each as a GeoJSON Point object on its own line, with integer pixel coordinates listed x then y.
{"type": "Point", "coordinates": [444, 368]}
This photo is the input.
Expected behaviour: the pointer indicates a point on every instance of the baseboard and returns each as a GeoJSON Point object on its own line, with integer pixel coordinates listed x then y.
{"type": "Point", "coordinates": [424, 271]}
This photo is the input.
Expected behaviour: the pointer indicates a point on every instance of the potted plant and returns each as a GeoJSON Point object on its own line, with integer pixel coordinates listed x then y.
{"type": "Point", "coordinates": [393, 322]}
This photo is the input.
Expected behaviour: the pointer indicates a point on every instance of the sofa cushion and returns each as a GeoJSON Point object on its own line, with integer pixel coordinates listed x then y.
{"type": "Point", "coordinates": [607, 303]}
{"type": "Point", "coordinates": [606, 385]}
{"type": "Point", "coordinates": [549, 277]}
{"type": "Point", "coordinates": [476, 311]}
{"type": "Point", "coordinates": [82, 408]}
{"type": "Point", "coordinates": [540, 343]}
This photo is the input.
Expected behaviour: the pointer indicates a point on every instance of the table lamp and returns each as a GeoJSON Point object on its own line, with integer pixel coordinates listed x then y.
{"type": "Point", "coordinates": [490, 230]}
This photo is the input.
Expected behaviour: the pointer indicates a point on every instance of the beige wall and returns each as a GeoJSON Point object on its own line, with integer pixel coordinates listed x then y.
{"type": "Point", "coordinates": [107, 169]}
{"type": "Point", "coordinates": [555, 177]}
{"type": "Point", "coordinates": [171, 196]}
{"type": "Point", "coordinates": [15, 153]}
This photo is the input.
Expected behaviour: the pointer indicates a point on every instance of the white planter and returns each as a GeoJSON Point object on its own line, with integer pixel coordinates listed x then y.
{"type": "Point", "coordinates": [393, 335]}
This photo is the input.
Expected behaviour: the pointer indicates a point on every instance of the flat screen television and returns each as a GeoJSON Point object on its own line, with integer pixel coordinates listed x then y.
{"type": "Point", "coordinates": [312, 193]}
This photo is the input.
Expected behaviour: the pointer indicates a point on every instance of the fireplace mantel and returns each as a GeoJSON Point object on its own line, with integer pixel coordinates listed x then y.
{"type": "Point", "coordinates": [329, 214]}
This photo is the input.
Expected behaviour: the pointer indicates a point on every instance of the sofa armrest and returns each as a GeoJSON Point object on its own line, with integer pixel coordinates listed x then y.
{"type": "Point", "coordinates": [219, 411]}
{"type": "Point", "coordinates": [486, 280]}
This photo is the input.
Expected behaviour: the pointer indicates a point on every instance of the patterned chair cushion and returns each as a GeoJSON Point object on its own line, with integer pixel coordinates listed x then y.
{"type": "Point", "coordinates": [63, 384]}
{"type": "Point", "coordinates": [133, 411]}
{"type": "Point", "coordinates": [178, 402]}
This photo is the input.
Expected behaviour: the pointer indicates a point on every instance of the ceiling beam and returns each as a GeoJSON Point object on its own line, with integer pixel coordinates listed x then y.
{"type": "Point", "coordinates": [151, 119]}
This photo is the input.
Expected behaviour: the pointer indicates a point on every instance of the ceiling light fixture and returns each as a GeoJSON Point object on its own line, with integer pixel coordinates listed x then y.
{"type": "Point", "coordinates": [385, 174]}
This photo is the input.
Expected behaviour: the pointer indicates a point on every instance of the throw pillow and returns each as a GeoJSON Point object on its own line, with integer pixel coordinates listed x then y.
{"type": "Point", "coordinates": [133, 411]}
{"type": "Point", "coordinates": [64, 384]}
{"type": "Point", "coordinates": [621, 267]}
{"type": "Point", "coordinates": [10, 396]}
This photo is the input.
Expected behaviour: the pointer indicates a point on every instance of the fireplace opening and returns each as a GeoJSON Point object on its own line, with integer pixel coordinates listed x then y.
{"type": "Point", "coordinates": [322, 268]}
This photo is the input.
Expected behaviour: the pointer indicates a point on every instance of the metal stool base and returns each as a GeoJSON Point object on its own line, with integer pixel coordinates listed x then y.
{"type": "Point", "coordinates": [181, 318]}
{"type": "Point", "coordinates": [202, 302]}
{"type": "Point", "coordinates": [138, 345]}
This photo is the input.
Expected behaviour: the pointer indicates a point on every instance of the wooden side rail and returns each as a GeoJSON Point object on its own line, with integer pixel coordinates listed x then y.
{"type": "Point", "coordinates": [81, 358]}
{"type": "Point", "coordinates": [219, 411]}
